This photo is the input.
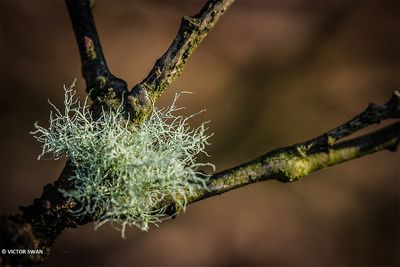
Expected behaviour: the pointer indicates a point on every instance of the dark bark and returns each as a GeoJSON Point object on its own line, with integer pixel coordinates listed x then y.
{"type": "Point", "coordinates": [94, 66]}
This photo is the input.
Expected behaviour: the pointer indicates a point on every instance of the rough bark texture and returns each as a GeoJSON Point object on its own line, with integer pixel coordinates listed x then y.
{"type": "Point", "coordinates": [43, 221]}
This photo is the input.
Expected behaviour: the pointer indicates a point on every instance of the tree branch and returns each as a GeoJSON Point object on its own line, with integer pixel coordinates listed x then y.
{"type": "Point", "coordinates": [294, 162]}
{"type": "Point", "coordinates": [42, 222]}
{"type": "Point", "coordinates": [190, 34]}
{"type": "Point", "coordinates": [286, 165]}
{"type": "Point", "coordinates": [371, 115]}
{"type": "Point", "coordinates": [106, 89]}
{"type": "Point", "coordinates": [95, 71]}
{"type": "Point", "coordinates": [167, 68]}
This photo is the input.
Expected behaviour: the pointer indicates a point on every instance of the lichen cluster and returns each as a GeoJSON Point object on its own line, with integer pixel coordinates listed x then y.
{"type": "Point", "coordinates": [125, 174]}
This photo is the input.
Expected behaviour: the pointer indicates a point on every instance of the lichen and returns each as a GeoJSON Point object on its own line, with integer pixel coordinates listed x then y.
{"type": "Point", "coordinates": [89, 48]}
{"type": "Point", "coordinates": [290, 165]}
{"type": "Point", "coordinates": [125, 174]}
{"type": "Point", "coordinates": [101, 81]}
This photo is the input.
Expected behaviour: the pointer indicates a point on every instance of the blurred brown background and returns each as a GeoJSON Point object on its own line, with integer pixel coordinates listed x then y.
{"type": "Point", "coordinates": [270, 74]}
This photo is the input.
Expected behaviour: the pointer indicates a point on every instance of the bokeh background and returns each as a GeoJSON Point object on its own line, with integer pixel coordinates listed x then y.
{"type": "Point", "coordinates": [272, 73]}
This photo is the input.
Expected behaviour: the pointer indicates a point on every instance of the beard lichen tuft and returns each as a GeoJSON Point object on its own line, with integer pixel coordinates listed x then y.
{"type": "Point", "coordinates": [123, 174]}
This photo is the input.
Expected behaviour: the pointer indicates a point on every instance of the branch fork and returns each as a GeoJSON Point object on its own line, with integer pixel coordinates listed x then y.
{"type": "Point", "coordinates": [43, 221]}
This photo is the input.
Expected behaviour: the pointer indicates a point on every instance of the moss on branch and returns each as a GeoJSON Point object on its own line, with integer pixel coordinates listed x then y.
{"type": "Point", "coordinates": [170, 66]}
{"type": "Point", "coordinates": [286, 165]}
{"type": "Point", "coordinates": [292, 163]}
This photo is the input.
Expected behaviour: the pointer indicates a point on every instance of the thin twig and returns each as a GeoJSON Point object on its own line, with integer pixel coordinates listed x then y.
{"type": "Point", "coordinates": [371, 115]}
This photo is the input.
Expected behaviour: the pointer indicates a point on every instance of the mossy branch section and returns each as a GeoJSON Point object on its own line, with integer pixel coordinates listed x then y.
{"type": "Point", "coordinates": [190, 34]}
{"type": "Point", "coordinates": [292, 163]}
{"type": "Point", "coordinates": [169, 67]}
{"type": "Point", "coordinates": [287, 165]}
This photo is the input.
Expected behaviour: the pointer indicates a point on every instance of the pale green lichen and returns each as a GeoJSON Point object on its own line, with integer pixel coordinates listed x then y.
{"type": "Point", "coordinates": [124, 174]}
